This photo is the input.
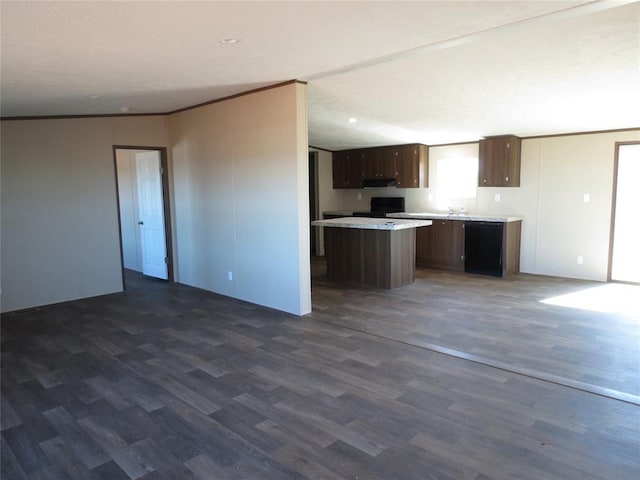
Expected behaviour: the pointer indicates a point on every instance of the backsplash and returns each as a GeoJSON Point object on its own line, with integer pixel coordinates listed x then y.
{"type": "Point", "coordinates": [426, 200]}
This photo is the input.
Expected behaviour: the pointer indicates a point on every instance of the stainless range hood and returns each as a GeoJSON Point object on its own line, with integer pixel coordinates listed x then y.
{"type": "Point", "coordinates": [378, 182]}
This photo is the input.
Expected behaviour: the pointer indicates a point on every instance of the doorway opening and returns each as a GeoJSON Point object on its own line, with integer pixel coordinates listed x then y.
{"type": "Point", "coordinates": [624, 255]}
{"type": "Point", "coordinates": [143, 212]}
{"type": "Point", "coordinates": [313, 199]}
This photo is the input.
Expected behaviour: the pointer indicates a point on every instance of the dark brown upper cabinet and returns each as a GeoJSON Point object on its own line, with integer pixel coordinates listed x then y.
{"type": "Point", "coordinates": [408, 164]}
{"type": "Point", "coordinates": [499, 162]}
{"type": "Point", "coordinates": [379, 163]}
{"type": "Point", "coordinates": [347, 169]}
{"type": "Point", "coordinates": [411, 166]}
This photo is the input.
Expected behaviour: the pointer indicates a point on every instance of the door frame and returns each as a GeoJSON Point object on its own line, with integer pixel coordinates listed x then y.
{"type": "Point", "coordinates": [613, 203]}
{"type": "Point", "coordinates": [166, 204]}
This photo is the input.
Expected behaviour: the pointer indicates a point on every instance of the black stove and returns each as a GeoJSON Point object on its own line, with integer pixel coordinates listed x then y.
{"type": "Point", "coordinates": [381, 206]}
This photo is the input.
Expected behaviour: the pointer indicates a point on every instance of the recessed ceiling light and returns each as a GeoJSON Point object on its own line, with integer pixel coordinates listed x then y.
{"type": "Point", "coordinates": [353, 120]}
{"type": "Point", "coordinates": [229, 41]}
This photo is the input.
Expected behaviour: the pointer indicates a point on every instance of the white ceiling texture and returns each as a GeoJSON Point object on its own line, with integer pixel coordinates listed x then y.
{"type": "Point", "coordinates": [424, 71]}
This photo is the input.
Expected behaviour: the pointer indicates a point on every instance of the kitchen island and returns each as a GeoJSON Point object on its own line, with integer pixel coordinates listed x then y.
{"type": "Point", "coordinates": [371, 252]}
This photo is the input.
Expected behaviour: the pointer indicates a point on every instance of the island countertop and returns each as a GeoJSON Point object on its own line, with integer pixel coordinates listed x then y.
{"type": "Point", "coordinates": [372, 223]}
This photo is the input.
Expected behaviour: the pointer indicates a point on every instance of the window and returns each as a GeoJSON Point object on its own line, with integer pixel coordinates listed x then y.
{"type": "Point", "coordinates": [457, 179]}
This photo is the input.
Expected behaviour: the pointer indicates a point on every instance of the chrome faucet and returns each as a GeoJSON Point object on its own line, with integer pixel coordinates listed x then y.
{"type": "Point", "coordinates": [450, 210]}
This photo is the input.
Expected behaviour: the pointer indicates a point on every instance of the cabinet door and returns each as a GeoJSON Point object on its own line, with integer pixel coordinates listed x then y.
{"type": "Point", "coordinates": [347, 169]}
{"type": "Point", "coordinates": [441, 241]}
{"type": "Point", "coordinates": [371, 160]}
{"type": "Point", "coordinates": [499, 162]}
{"type": "Point", "coordinates": [340, 167]}
{"type": "Point", "coordinates": [449, 244]}
{"type": "Point", "coordinates": [380, 162]}
{"type": "Point", "coordinates": [491, 163]}
{"type": "Point", "coordinates": [387, 162]}
{"type": "Point", "coordinates": [441, 245]}
{"type": "Point", "coordinates": [512, 153]}
{"type": "Point", "coordinates": [355, 168]}
{"type": "Point", "coordinates": [511, 247]}
{"type": "Point", "coordinates": [411, 166]}
{"type": "Point", "coordinates": [455, 247]}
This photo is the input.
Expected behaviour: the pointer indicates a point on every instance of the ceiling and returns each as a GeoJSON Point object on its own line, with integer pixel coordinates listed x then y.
{"type": "Point", "coordinates": [432, 72]}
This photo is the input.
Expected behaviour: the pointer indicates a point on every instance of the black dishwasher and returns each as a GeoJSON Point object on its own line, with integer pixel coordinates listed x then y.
{"type": "Point", "coordinates": [483, 248]}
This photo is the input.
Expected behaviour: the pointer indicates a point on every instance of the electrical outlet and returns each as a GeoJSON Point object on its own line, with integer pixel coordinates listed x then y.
{"type": "Point", "coordinates": [430, 197]}
{"type": "Point", "coordinates": [496, 197]}
{"type": "Point", "coordinates": [230, 276]}
{"type": "Point", "coordinates": [359, 196]}
{"type": "Point", "coordinates": [580, 260]}
{"type": "Point", "coordinates": [586, 198]}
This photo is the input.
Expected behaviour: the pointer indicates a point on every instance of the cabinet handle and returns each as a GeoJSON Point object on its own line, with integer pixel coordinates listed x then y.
{"type": "Point", "coordinates": [507, 179]}
{"type": "Point", "coordinates": [484, 181]}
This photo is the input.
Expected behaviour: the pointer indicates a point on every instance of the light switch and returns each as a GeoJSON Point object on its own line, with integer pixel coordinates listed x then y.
{"type": "Point", "coordinates": [586, 198]}
{"type": "Point", "coordinates": [496, 197]}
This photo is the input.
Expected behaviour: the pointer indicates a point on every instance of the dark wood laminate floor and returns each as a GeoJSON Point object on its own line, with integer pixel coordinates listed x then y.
{"type": "Point", "coordinates": [500, 322]}
{"type": "Point", "coordinates": [170, 382]}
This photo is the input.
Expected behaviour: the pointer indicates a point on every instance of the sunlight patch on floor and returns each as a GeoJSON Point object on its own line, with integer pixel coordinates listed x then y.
{"type": "Point", "coordinates": [610, 297]}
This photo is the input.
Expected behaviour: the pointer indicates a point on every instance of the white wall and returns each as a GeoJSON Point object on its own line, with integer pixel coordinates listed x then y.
{"type": "Point", "coordinates": [240, 170]}
{"type": "Point", "coordinates": [558, 225]}
{"type": "Point", "coordinates": [59, 220]}
{"type": "Point", "coordinates": [129, 213]}
{"type": "Point", "coordinates": [239, 192]}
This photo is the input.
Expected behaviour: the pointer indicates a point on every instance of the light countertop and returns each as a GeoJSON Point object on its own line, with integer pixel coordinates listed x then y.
{"type": "Point", "coordinates": [372, 223]}
{"type": "Point", "coordinates": [475, 217]}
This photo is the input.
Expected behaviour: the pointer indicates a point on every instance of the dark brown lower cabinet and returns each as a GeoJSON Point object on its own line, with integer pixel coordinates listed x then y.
{"type": "Point", "coordinates": [441, 245]}
{"type": "Point", "coordinates": [511, 237]}
{"type": "Point", "coordinates": [371, 258]}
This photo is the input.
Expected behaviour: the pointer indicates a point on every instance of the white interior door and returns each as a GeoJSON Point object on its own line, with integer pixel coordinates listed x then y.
{"type": "Point", "coordinates": [151, 214]}
{"type": "Point", "coordinates": [625, 261]}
